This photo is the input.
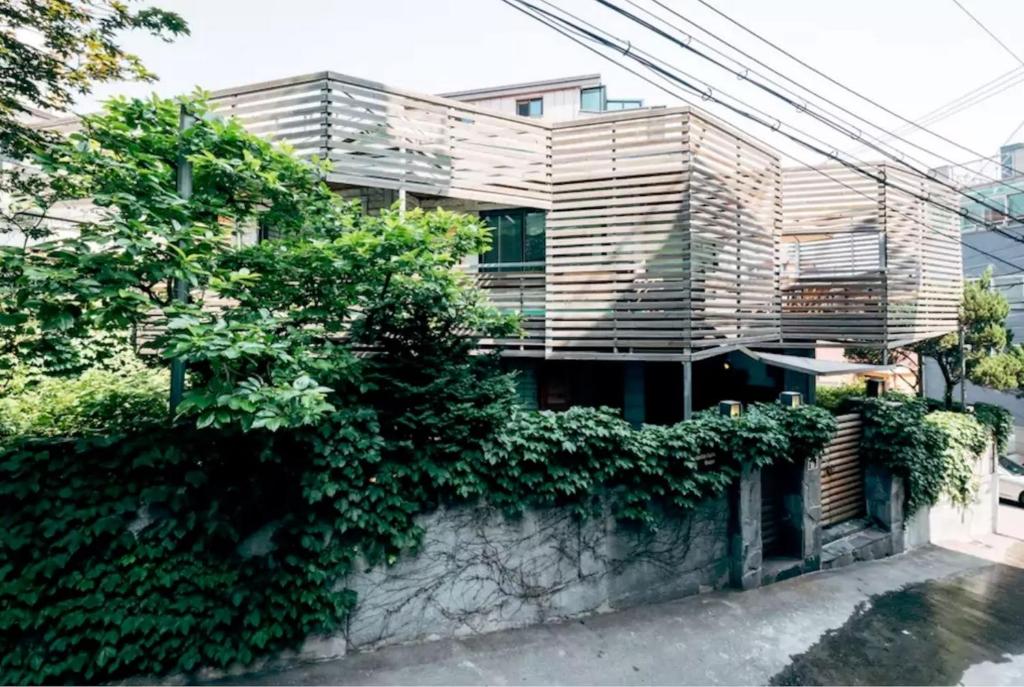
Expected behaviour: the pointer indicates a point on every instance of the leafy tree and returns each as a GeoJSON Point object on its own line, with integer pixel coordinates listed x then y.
{"type": "Point", "coordinates": [303, 306]}
{"type": "Point", "coordinates": [992, 360]}
{"type": "Point", "coordinates": [54, 50]}
{"type": "Point", "coordinates": [115, 273]}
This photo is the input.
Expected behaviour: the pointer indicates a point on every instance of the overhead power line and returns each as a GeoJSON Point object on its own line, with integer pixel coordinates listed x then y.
{"type": "Point", "coordinates": [552, 22]}
{"type": "Point", "coordinates": [835, 82]}
{"type": "Point", "coordinates": [994, 37]}
{"type": "Point", "coordinates": [878, 140]}
{"type": "Point", "coordinates": [855, 135]}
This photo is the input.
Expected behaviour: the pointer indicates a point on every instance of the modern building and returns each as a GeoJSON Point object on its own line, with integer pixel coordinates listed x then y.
{"type": "Point", "coordinates": [645, 247]}
{"type": "Point", "coordinates": [996, 236]}
{"type": "Point", "coordinates": [661, 259]}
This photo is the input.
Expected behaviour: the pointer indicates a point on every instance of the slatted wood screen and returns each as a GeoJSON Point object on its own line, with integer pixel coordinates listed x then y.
{"type": "Point", "coordinates": [518, 292]}
{"type": "Point", "coordinates": [664, 226]}
{"type": "Point", "coordinates": [662, 237]}
{"type": "Point", "coordinates": [381, 137]}
{"type": "Point", "coordinates": [842, 474]}
{"type": "Point", "coordinates": [859, 267]}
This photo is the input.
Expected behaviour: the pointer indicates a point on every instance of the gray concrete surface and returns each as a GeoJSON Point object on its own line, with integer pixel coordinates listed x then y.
{"type": "Point", "coordinates": [932, 616]}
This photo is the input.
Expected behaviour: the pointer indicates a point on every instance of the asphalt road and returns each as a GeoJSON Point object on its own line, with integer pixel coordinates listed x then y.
{"type": "Point", "coordinates": [931, 616]}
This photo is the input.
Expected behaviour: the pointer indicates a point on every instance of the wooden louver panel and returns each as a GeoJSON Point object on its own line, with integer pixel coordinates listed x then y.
{"type": "Point", "coordinates": [867, 261]}
{"type": "Point", "coordinates": [842, 473]}
{"type": "Point", "coordinates": [379, 137]}
{"type": "Point", "coordinates": [662, 238]}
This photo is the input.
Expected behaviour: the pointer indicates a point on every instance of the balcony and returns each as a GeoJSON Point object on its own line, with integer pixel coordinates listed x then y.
{"type": "Point", "coordinates": [866, 263]}
{"type": "Point", "coordinates": [663, 226]}
{"type": "Point", "coordinates": [380, 137]}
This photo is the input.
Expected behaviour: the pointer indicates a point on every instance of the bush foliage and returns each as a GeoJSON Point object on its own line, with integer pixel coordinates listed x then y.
{"type": "Point", "coordinates": [935, 453]}
{"type": "Point", "coordinates": [130, 556]}
{"type": "Point", "coordinates": [839, 398]}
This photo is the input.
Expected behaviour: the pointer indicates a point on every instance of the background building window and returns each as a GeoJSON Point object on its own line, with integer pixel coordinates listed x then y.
{"type": "Point", "coordinates": [592, 99]}
{"type": "Point", "coordinates": [534, 107]}
{"type": "Point", "coordinates": [615, 105]}
{"type": "Point", "coordinates": [517, 241]}
{"type": "Point", "coordinates": [1015, 206]}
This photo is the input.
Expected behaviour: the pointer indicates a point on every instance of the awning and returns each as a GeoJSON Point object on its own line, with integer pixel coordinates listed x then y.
{"type": "Point", "coordinates": [819, 368]}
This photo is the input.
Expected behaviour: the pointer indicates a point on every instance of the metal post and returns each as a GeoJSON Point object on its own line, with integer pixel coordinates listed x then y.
{"type": "Point", "coordinates": [687, 390]}
{"type": "Point", "coordinates": [401, 188]}
{"type": "Point", "coordinates": [963, 367]}
{"type": "Point", "coordinates": [921, 376]}
{"type": "Point", "coordinates": [184, 187]}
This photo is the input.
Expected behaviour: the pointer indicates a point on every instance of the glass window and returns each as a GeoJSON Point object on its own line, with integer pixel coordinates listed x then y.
{"type": "Point", "coordinates": [534, 248]}
{"type": "Point", "coordinates": [510, 238]}
{"type": "Point", "coordinates": [518, 241]}
{"type": "Point", "coordinates": [1015, 203]}
{"type": "Point", "coordinates": [615, 105]}
{"type": "Point", "coordinates": [592, 99]}
{"type": "Point", "coordinates": [534, 107]}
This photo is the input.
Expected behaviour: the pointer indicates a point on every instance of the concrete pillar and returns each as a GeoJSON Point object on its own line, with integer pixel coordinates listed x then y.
{"type": "Point", "coordinates": [633, 407]}
{"type": "Point", "coordinates": [745, 533]}
{"type": "Point", "coordinates": [884, 497]}
{"type": "Point", "coordinates": [810, 530]}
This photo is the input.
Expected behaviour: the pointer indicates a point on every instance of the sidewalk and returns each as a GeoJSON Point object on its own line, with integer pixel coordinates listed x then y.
{"type": "Point", "coordinates": [932, 616]}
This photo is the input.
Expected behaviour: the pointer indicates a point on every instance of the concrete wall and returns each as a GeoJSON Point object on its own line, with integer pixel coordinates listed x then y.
{"type": "Point", "coordinates": [479, 571]}
{"type": "Point", "coordinates": [946, 521]}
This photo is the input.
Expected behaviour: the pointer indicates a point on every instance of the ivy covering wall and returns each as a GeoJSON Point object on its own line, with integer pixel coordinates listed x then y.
{"type": "Point", "coordinates": [136, 555]}
{"type": "Point", "coordinates": [934, 452]}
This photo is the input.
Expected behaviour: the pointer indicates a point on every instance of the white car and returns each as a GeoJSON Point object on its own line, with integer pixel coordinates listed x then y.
{"type": "Point", "coordinates": [1011, 481]}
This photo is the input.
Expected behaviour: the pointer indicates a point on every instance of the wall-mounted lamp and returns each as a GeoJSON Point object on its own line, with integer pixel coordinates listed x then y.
{"type": "Point", "coordinates": [730, 408]}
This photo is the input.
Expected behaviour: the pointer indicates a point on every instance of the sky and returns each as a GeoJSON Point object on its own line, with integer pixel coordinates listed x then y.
{"type": "Point", "coordinates": [911, 56]}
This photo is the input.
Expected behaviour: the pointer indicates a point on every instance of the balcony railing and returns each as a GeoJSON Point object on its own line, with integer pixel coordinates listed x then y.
{"type": "Point", "coordinates": [381, 137]}
{"type": "Point", "coordinates": [867, 263]}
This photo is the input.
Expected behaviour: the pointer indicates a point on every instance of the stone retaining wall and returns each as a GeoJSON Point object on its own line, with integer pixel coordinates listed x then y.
{"type": "Point", "coordinates": [479, 571]}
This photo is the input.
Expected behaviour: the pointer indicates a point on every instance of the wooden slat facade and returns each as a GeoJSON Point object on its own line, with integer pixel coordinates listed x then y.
{"type": "Point", "coordinates": [667, 236]}
{"type": "Point", "coordinates": [381, 137]}
{"type": "Point", "coordinates": [663, 230]}
{"type": "Point", "coordinates": [662, 239]}
{"type": "Point", "coordinates": [871, 264]}
{"type": "Point", "coordinates": [842, 473]}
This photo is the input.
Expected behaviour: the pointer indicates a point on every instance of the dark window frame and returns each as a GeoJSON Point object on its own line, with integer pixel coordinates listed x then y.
{"type": "Point", "coordinates": [492, 262]}
{"type": "Point", "coordinates": [528, 102]}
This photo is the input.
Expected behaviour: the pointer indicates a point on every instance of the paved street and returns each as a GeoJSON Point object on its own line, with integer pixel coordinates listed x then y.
{"type": "Point", "coordinates": [933, 616]}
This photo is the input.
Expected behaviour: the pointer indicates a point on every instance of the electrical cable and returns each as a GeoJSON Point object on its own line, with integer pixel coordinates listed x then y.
{"type": "Point", "coordinates": [515, 4]}
{"type": "Point", "coordinates": [979, 200]}
{"type": "Point", "coordinates": [828, 78]}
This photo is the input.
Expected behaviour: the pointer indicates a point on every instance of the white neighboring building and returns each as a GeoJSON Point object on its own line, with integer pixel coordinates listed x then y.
{"type": "Point", "coordinates": [554, 99]}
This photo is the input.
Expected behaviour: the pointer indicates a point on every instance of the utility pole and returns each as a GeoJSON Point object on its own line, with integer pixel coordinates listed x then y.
{"type": "Point", "coordinates": [184, 187]}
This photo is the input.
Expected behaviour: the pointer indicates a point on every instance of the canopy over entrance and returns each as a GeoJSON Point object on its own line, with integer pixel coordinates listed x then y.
{"type": "Point", "coordinates": [819, 368]}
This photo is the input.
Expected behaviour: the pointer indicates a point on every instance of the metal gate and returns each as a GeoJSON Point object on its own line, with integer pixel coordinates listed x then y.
{"type": "Point", "coordinates": [842, 473]}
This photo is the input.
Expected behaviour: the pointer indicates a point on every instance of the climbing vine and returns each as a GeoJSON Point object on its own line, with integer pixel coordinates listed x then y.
{"type": "Point", "coordinates": [176, 548]}
{"type": "Point", "coordinates": [935, 453]}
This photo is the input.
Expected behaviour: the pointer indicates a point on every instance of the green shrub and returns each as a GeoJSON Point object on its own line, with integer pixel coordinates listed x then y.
{"type": "Point", "coordinates": [836, 399]}
{"type": "Point", "coordinates": [933, 452]}
{"type": "Point", "coordinates": [125, 556]}
{"type": "Point", "coordinates": [96, 401]}
{"type": "Point", "coordinates": [999, 420]}
{"type": "Point", "coordinates": [960, 439]}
